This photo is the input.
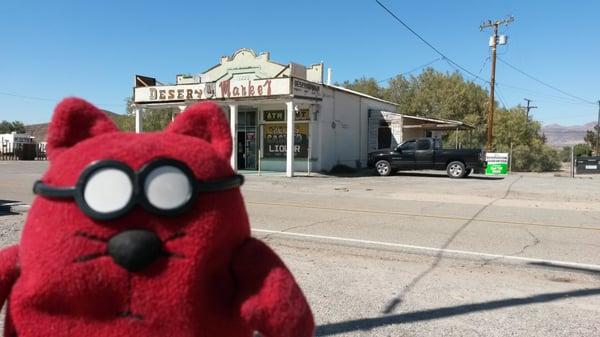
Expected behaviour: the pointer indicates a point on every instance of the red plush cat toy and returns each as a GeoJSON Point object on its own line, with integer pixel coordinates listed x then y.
{"type": "Point", "coordinates": [144, 235]}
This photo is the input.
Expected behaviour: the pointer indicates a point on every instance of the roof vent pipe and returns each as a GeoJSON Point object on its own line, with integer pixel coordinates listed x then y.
{"type": "Point", "coordinates": [328, 76]}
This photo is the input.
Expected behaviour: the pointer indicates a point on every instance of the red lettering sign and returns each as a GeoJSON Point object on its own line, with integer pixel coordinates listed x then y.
{"type": "Point", "coordinates": [250, 88]}
{"type": "Point", "coordinates": [225, 88]}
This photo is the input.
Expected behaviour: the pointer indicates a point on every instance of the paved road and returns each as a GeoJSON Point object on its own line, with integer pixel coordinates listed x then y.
{"type": "Point", "coordinates": [423, 255]}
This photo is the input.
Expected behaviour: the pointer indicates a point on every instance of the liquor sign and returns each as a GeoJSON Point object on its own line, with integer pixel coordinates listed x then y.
{"type": "Point", "coordinates": [212, 90]}
{"type": "Point", "coordinates": [275, 140]}
{"type": "Point", "coordinates": [497, 164]}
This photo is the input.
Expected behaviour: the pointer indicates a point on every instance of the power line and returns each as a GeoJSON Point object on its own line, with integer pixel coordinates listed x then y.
{"type": "Point", "coordinates": [28, 97]}
{"type": "Point", "coordinates": [500, 97]}
{"type": "Point", "coordinates": [49, 99]}
{"type": "Point", "coordinates": [483, 65]}
{"type": "Point", "coordinates": [446, 58]}
{"type": "Point", "coordinates": [459, 67]}
{"type": "Point", "coordinates": [412, 70]}
{"type": "Point", "coordinates": [544, 83]}
{"type": "Point", "coordinates": [555, 98]}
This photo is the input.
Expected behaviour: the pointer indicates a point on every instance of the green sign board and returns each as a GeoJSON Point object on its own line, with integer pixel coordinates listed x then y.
{"type": "Point", "coordinates": [497, 164]}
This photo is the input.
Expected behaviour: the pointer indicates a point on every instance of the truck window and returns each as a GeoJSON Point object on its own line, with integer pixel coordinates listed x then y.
{"type": "Point", "coordinates": [408, 146]}
{"type": "Point", "coordinates": [437, 144]}
{"type": "Point", "coordinates": [423, 144]}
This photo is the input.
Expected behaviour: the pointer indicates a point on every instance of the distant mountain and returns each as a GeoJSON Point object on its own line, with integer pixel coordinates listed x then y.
{"type": "Point", "coordinates": [559, 135]}
{"type": "Point", "coordinates": [40, 131]}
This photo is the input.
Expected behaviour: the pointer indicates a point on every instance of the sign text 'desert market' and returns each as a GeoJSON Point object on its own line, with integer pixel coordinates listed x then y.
{"type": "Point", "coordinates": [222, 89]}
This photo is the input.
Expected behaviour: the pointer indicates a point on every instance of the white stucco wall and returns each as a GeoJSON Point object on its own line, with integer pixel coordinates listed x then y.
{"type": "Point", "coordinates": [343, 124]}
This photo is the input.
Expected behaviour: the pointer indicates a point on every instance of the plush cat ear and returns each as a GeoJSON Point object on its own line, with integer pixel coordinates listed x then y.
{"type": "Point", "coordinates": [75, 120]}
{"type": "Point", "coordinates": [206, 121]}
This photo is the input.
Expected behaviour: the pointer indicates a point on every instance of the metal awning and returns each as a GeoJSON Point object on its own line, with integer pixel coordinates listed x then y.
{"type": "Point", "coordinates": [436, 124]}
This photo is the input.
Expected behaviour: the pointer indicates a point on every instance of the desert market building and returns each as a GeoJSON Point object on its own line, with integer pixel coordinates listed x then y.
{"type": "Point", "coordinates": [285, 117]}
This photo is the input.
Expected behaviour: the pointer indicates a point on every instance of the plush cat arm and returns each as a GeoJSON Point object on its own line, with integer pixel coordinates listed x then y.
{"type": "Point", "coordinates": [9, 271]}
{"type": "Point", "coordinates": [269, 299]}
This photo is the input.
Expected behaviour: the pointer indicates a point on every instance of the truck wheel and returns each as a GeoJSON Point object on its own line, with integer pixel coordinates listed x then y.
{"type": "Point", "coordinates": [456, 169]}
{"type": "Point", "coordinates": [383, 168]}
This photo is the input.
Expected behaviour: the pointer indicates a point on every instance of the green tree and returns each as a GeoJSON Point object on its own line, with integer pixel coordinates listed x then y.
{"type": "Point", "coordinates": [152, 119]}
{"type": "Point", "coordinates": [530, 151]}
{"type": "Point", "coordinates": [365, 85]}
{"type": "Point", "coordinates": [591, 137]}
{"type": "Point", "coordinates": [578, 150]}
{"type": "Point", "coordinates": [512, 126]}
{"type": "Point", "coordinates": [8, 127]}
{"type": "Point", "coordinates": [443, 95]}
{"type": "Point", "coordinates": [449, 96]}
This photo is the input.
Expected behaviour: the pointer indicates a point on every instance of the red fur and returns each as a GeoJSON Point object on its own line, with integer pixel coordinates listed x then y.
{"type": "Point", "coordinates": [73, 121]}
{"type": "Point", "coordinates": [208, 122]}
{"type": "Point", "coordinates": [225, 284]}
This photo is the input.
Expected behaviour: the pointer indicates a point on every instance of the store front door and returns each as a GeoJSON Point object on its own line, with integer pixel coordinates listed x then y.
{"type": "Point", "coordinates": [247, 141]}
{"type": "Point", "coordinates": [241, 150]}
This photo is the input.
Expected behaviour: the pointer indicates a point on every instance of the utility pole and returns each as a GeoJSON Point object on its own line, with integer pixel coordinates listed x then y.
{"type": "Point", "coordinates": [598, 132]}
{"type": "Point", "coordinates": [493, 43]}
{"type": "Point", "coordinates": [528, 107]}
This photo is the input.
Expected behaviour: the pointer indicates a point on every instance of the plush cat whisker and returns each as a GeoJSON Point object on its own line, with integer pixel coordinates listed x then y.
{"type": "Point", "coordinates": [88, 257]}
{"type": "Point", "coordinates": [89, 236]}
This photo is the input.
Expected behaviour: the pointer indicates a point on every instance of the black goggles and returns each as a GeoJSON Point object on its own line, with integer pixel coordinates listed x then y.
{"type": "Point", "coordinates": [108, 189]}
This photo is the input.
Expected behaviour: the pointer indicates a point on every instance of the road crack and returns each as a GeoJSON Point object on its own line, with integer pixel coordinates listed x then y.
{"type": "Point", "coordinates": [268, 237]}
{"type": "Point", "coordinates": [397, 300]}
{"type": "Point", "coordinates": [535, 242]}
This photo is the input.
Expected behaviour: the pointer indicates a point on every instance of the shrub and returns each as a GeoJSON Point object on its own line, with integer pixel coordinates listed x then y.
{"type": "Point", "coordinates": [535, 158]}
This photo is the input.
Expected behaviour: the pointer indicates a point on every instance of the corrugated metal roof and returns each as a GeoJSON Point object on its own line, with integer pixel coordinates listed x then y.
{"type": "Point", "coordinates": [436, 120]}
{"type": "Point", "coordinates": [358, 93]}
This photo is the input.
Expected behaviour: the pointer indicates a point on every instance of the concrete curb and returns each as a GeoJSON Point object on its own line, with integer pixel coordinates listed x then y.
{"type": "Point", "coordinates": [18, 208]}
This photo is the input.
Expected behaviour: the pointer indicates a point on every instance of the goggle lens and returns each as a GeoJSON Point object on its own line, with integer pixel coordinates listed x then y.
{"type": "Point", "coordinates": [108, 190]}
{"type": "Point", "coordinates": [167, 188]}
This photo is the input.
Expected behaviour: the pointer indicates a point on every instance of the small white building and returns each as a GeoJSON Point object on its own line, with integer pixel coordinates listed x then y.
{"type": "Point", "coordinates": [284, 117]}
{"type": "Point", "coordinates": [8, 140]}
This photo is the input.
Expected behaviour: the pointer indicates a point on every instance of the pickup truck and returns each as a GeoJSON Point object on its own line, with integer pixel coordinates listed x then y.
{"type": "Point", "coordinates": [427, 154]}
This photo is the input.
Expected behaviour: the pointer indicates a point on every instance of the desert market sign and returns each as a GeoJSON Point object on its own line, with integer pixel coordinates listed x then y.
{"type": "Point", "coordinates": [212, 90]}
{"type": "Point", "coordinates": [497, 164]}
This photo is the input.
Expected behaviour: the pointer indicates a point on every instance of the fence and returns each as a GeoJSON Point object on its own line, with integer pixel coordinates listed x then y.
{"type": "Point", "coordinates": [22, 151]}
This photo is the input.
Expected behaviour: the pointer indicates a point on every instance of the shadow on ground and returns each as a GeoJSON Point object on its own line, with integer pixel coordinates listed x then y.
{"type": "Point", "coordinates": [361, 173]}
{"type": "Point", "coordinates": [366, 324]}
{"type": "Point", "coordinates": [565, 268]}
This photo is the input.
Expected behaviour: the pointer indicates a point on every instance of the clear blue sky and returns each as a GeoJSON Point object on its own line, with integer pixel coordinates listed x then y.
{"type": "Point", "coordinates": [92, 49]}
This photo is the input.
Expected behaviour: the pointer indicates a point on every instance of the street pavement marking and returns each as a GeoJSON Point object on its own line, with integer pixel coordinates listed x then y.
{"type": "Point", "coordinates": [432, 249]}
{"type": "Point", "coordinates": [445, 217]}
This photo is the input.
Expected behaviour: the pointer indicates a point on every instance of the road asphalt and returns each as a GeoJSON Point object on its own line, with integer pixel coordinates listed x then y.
{"type": "Point", "coordinates": [419, 254]}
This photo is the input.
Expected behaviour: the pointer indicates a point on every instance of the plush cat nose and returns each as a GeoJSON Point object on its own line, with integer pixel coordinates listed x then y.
{"type": "Point", "coordinates": [134, 249]}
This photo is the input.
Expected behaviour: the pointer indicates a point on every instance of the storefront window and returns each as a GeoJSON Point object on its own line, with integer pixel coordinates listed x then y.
{"type": "Point", "coordinates": [275, 139]}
